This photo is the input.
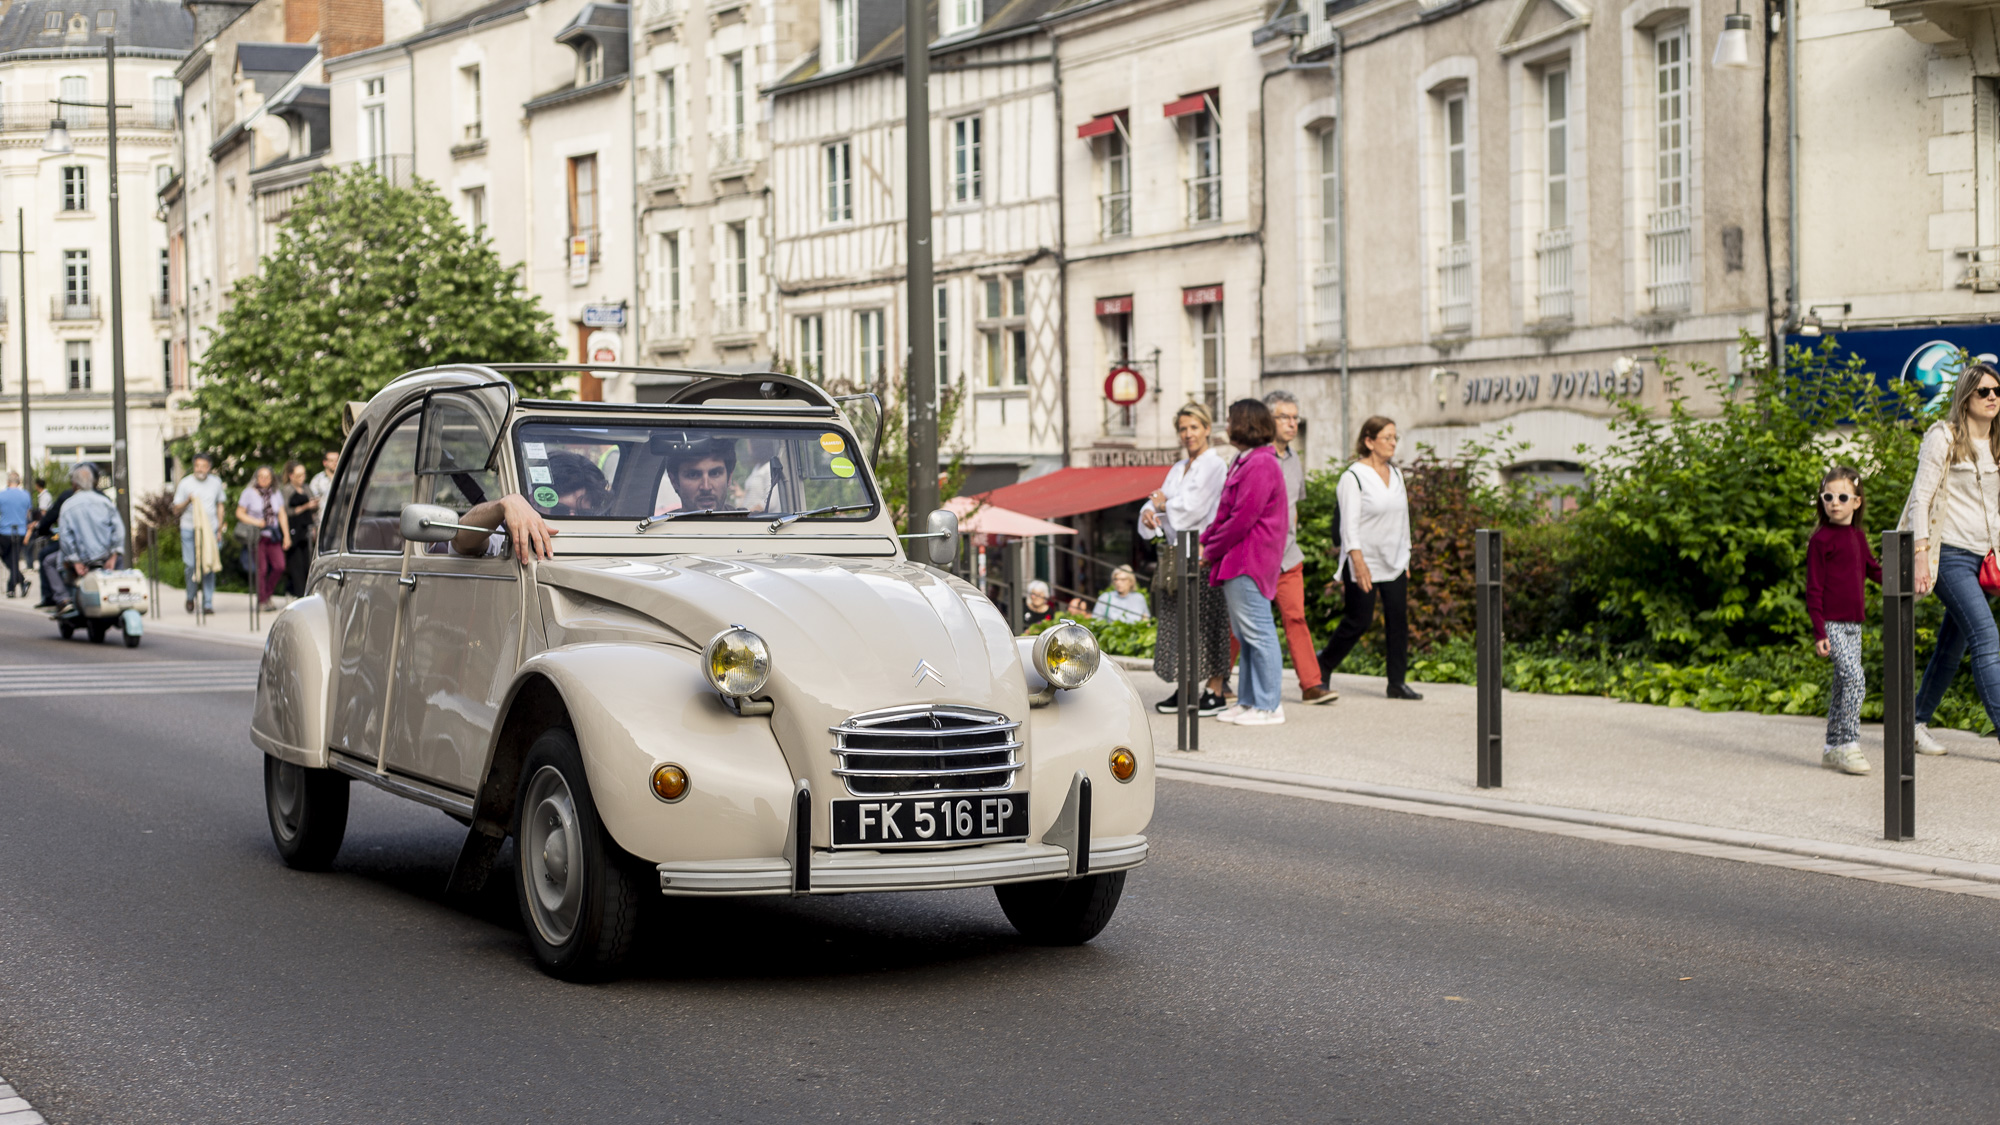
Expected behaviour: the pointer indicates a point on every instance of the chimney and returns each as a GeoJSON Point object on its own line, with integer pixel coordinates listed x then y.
{"type": "Point", "coordinates": [347, 26]}
{"type": "Point", "coordinates": [301, 20]}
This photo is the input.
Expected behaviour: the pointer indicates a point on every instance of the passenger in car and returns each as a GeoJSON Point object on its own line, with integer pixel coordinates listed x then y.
{"type": "Point", "coordinates": [515, 521]}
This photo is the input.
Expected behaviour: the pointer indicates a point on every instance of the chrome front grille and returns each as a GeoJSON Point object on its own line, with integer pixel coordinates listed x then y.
{"type": "Point", "coordinates": [932, 749]}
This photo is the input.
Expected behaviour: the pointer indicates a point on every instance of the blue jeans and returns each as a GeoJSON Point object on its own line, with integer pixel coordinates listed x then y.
{"type": "Point", "coordinates": [1250, 619]}
{"type": "Point", "coordinates": [1968, 623]}
{"type": "Point", "coordinates": [207, 580]}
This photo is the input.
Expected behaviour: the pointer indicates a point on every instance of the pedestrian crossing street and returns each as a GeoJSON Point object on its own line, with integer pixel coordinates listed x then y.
{"type": "Point", "coordinates": [154, 677]}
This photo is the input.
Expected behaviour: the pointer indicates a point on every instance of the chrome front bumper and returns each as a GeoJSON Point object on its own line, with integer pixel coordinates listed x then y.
{"type": "Point", "coordinates": [846, 872]}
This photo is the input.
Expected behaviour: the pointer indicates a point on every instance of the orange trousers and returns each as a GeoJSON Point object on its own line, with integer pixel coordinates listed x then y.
{"type": "Point", "coordinates": [1291, 604]}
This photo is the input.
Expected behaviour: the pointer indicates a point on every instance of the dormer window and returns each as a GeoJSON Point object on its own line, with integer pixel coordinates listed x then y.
{"type": "Point", "coordinates": [589, 62]}
{"type": "Point", "coordinates": [841, 33]}
{"type": "Point", "coordinates": [52, 22]}
{"type": "Point", "coordinates": [962, 16]}
{"type": "Point", "coordinates": [106, 19]}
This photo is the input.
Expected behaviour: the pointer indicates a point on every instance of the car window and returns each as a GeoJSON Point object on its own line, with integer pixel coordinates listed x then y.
{"type": "Point", "coordinates": [458, 443]}
{"type": "Point", "coordinates": [391, 483]}
{"type": "Point", "coordinates": [340, 496]}
{"type": "Point", "coordinates": [581, 470]}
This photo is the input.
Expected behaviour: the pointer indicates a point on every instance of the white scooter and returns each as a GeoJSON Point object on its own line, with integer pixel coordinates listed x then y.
{"type": "Point", "coordinates": [102, 599]}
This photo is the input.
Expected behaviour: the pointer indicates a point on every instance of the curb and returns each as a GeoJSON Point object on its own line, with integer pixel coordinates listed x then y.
{"type": "Point", "coordinates": [162, 627]}
{"type": "Point", "coordinates": [1650, 826]}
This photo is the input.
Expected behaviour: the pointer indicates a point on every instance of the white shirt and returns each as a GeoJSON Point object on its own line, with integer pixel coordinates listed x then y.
{"type": "Point", "coordinates": [1193, 489]}
{"type": "Point", "coordinates": [1374, 519]}
{"type": "Point", "coordinates": [203, 494]}
{"type": "Point", "coordinates": [1114, 606]}
{"type": "Point", "coordinates": [319, 486]}
{"type": "Point", "coordinates": [1953, 503]}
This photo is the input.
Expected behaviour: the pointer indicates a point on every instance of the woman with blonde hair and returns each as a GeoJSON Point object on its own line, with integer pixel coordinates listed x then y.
{"type": "Point", "coordinates": [1186, 501]}
{"type": "Point", "coordinates": [1951, 515]}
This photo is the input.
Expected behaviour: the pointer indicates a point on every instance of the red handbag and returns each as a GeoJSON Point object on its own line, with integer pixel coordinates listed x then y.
{"type": "Point", "coordinates": [1989, 572]}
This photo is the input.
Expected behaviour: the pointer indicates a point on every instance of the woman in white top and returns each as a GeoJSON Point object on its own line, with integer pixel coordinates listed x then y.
{"type": "Point", "coordinates": [1186, 501]}
{"type": "Point", "coordinates": [1374, 555]}
{"type": "Point", "coordinates": [1123, 601]}
{"type": "Point", "coordinates": [1951, 514]}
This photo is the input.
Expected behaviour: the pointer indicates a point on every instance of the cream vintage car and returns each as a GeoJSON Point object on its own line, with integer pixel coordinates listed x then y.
{"type": "Point", "coordinates": [729, 680]}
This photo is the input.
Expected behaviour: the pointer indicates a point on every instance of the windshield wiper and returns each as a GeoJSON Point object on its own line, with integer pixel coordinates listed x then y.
{"type": "Point", "coordinates": [717, 513]}
{"type": "Point", "coordinates": [830, 508]}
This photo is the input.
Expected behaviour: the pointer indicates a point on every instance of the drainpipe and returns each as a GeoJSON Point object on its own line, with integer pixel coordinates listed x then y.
{"type": "Point", "coordinates": [1793, 292]}
{"type": "Point", "coordinates": [1062, 257]}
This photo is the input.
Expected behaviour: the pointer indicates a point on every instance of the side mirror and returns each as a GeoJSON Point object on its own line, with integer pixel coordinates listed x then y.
{"type": "Point", "coordinates": [428, 523]}
{"type": "Point", "coordinates": [943, 526]}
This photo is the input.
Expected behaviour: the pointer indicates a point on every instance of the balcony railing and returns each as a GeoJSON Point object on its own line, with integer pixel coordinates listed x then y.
{"type": "Point", "coordinates": [1670, 244]}
{"type": "Point", "coordinates": [397, 168]}
{"type": "Point", "coordinates": [1326, 304]}
{"type": "Point", "coordinates": [1204, 199]}
{"type": "Point", "coordinates": [591, 233]}
{"type": "Point", "coordinates": [163, 307]}
{"type": "Point", "coordinates": [1554, 298]}
{"type": "Point", "coordinates": [1115, 214]}
{"type": "Point", "coordinates": [664, 322]}
{"type": "Point", "coordinates": [1982, 268]}
{"type": "Point", "coordinates": [68, 308]}
{"type": "Point", "coordinates": [1455, 287]}
{"type": "Point", "coordinates": [34, 117]}
{"type": "Point", "coordinates": [732, 316]}
{"type": "Point", "coordinates": [666, 160]}
{"type": "Point", "coordinates": [729, 147]}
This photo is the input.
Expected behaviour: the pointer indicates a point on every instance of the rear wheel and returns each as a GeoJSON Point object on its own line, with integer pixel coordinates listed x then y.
{"type": "Point", "coordinates": [308, 812]}
{"type": "Point", "coordinates": [132, 640]}
{"type": "Point", "coordinates": [579, 891]}
{"type": "Point", "coordinates": [97, 628]}
{"type": "Point", "coordinates": [1062, 911]}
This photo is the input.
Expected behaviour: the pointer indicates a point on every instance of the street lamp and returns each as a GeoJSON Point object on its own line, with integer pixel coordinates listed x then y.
{"type": "Point", "coordinates": [58, 143]}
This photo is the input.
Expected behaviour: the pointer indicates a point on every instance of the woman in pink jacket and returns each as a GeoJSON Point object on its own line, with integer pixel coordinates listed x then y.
{"type": "Point", "coordinates": [1244, 547]}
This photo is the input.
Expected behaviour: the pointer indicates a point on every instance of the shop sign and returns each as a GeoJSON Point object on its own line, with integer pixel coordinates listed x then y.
{"type": "Point", "coordinates": [1131, 458]}
{"type": "Point", "coordinates": [1124, 386]}
{"type": "Point", "coordinates": [1201, 295]}
{"type": "Point", "coordinates": [604, 316]}
{"type": "Point", "coordinates": [1562, 386]}
{"type": "Point", "coordinates": [579, 260]}
{"type": "Point", "coordinates": [1113, 306]}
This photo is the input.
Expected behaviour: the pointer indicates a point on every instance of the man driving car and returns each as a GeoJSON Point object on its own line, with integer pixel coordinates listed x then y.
{"type": "Point", "coordinates": [701, 473]}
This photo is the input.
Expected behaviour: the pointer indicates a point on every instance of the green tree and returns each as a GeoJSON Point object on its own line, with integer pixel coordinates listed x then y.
{"type": "Point", "coordinates": [368, 281]}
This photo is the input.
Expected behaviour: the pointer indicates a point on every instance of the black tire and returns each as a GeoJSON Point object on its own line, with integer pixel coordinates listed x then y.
{"type": "Point", "coordinates": [132, 639]}
{"type": "Point", "coordinates": [580, 894]}
{"type": "Point", "coordinates": [66, 629]}
{"type": "Point", "coordinates": [307, 809]}
{"type": "Point", "coordinates": [97, 629]}
{"type": "Point", "coordinates": [1061, 911]}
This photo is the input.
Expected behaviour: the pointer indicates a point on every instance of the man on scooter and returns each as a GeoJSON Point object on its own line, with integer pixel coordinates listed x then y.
{"type": "Point", "coordinates": [90, 532]}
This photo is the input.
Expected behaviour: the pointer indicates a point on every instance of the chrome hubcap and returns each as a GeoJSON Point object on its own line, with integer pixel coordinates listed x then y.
{"type": "Point", "coordinates": [288, 796]}
{"type": "Point", "coordinates": [552, 856]}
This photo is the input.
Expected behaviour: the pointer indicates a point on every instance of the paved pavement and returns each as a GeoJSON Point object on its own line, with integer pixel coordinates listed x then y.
{"type": "Point", "coordinates": [1278, 960]}
{"type": "Point", "coordinates": [232, 622]}
{"type": "Point", "coordinates": [1729, 770]}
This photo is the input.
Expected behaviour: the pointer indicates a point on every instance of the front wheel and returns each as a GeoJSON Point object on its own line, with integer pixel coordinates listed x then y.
{"type": "Point", "coordinates": [579, 891]}
{"type": "Point", "coordinates": [132, 640]}
{"type": "Point", "coordinates": [97, 628]}
{"type": "Point", "coordinates": [1061, 911]}
{"type": "Point", "coordinates": [66, 629]}
{"type": "Point", "coordinates": [308, 812]}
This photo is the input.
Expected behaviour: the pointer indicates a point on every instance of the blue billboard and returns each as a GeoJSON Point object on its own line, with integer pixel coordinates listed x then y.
{"type": "Point", "coordinates": [1925, 356]}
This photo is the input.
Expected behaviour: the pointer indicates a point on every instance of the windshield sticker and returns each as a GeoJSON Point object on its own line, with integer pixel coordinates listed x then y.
{"type": "Point", "coordinates": [841, 467]}
{"type": "Point", "coordinates": [546, 496]}
{"type": "Point", "coordinates": [536, 450]}
{"type": "Point", "coordinates": [539, 474]}
{"type": "Point", "coordinates": [832, 443]}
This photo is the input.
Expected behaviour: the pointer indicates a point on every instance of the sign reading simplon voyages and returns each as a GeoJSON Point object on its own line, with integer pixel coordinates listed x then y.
{"type": "Point", "coordinates": [1559, 386]}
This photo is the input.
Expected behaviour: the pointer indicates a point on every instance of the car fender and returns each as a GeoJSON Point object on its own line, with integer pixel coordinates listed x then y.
{"type": "Point", "coordinates": [289, 720]}
{"type": "Point", "coordinates": [634, 707]}
{"type": "Point", "coordinates": [1078, 730]}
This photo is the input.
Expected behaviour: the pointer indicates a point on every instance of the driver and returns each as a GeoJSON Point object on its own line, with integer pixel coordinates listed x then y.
{"type": "Point", "coordinates": [701, 473]}
{"type": "Point", "coordinates": [90, 532]}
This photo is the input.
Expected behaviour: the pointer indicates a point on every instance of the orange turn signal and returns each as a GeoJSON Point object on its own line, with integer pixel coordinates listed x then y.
{"type": "Point", "coordinates": [1123, 764]}
{"type": "Point", "coordinates": [670, 782]}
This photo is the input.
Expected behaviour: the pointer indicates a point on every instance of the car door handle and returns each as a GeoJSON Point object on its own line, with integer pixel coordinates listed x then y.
{"type": "Point", "coordinates": [407, 581]}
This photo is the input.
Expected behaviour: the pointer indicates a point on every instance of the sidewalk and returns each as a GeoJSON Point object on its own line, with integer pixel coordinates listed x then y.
{"type": "Point", "coordinates": [229, 624]}
{"type": "Point", "coordinates": [1731, 770]}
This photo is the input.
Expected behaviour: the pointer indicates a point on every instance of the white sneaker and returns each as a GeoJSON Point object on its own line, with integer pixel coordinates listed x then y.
{"type": "Point", "coordinates": [1235, 713]}
{"type": "Point", "coordinates": [1253, 718]}
{"type": "Point", "coordinates": [1846, 758]}
{"type": "Point", "coordinates": [1926, 744]}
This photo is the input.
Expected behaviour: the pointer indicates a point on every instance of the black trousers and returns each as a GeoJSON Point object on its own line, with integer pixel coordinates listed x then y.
{"type": "Point", "coordinates": [1360, 611]}
{"type": "Point", "coordinates": [12, 549]}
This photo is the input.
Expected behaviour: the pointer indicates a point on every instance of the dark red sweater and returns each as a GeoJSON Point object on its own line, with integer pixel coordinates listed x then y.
{"type": "Point", "coordinates": [1837, 561]}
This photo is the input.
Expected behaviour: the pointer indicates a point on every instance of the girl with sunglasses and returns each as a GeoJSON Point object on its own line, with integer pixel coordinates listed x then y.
{"type": "Point", "coordinates": [1838, 565]}
{"type": "Point", "coordinates": [1951, 514]}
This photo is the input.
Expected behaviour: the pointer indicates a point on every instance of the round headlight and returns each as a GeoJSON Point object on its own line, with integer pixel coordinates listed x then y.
{"type": "Point", "coordinates": [736, 662]}
{"type": "Point", "coordinates": [1067, 655]}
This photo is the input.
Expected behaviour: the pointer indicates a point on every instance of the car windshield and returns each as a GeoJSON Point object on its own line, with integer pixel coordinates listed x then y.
{"type": "Point", "coordinates": [637, 471]}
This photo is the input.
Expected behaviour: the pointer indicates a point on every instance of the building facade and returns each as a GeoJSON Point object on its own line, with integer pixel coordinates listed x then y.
{"type": "Point", "coordinates": [59, 206]}
{"type": "Point", "coordinates": [838, 250]}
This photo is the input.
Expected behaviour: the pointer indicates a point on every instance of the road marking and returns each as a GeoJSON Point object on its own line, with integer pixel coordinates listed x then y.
{"type": "Point", "coordinates": [14, 1109]}
{"type": "Point", "coordinates": [157, 677]}
{"type": "Point", "coordinates": [1847, 861]}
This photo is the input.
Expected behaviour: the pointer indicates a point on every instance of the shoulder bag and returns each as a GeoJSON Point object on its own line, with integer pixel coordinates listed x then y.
{"type": "Point", "coordinates": [1989, 567]}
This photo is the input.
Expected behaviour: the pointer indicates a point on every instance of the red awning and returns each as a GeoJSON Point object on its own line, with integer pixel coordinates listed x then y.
{"type": "Point", "coordinates": [1066, 492]}
{"type": "Point", "coordinates": [1098, 126]}
{"type": "Point", "coordinates": [1193, 103]}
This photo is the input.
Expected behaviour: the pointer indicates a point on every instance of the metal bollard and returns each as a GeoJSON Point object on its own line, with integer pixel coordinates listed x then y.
{"type": "Point", "coordinates": [1490, 646]}
{"type": "Point", "coordinates": [1899, 686]}
{"type": "Point", "coordinates": [1010, 571]}
{"type": "Point", "coordinates": [1187, 548]}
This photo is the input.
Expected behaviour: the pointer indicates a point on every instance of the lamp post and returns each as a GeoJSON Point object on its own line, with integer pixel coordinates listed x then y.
{"type": "Point", "coordinates": [58, 143]}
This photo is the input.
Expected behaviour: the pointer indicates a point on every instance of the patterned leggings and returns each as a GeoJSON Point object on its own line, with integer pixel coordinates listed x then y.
{"type": "Point", "coordinates": [1843, 706]}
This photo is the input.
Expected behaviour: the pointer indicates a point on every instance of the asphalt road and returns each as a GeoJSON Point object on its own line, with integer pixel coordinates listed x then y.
{"type": "Point", "coordinates": [1278, 960]}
